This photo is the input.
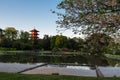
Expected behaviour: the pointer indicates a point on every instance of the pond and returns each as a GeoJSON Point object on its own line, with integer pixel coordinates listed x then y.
{"type": "Point", "coordinates": [71, 64]}
{"type": "Point", "coordinates": [30, 57]}
{"type": "Point", "coordinates": [36, 57]}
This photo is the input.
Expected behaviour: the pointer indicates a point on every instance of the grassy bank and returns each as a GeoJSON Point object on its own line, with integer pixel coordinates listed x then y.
{"type": "Point", "coordinates": [12, 76]}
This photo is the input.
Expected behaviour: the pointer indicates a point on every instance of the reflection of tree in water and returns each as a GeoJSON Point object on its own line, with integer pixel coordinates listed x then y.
{"type": "Point", "coordinates": [97, 43]}
{"type": "Point", "coordinates": [97, 60]}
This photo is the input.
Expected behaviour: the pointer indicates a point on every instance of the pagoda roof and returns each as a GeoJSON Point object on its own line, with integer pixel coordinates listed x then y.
{"type": "Point", "coordinates": [34, 30]}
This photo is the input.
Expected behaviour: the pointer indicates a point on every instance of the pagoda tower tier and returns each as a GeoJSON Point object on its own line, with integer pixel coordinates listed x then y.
{"type": "Point", "coordinates": [34, 38]}
{"type": "Point", "coordinates": [34, 34]}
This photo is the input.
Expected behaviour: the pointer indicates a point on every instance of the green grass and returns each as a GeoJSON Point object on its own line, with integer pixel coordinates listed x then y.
{"type": "Point", "coordinates": [117, 57]}
{"type": "Point", "coordinates": [13, 76]}
{"type": "Point", "coordinates": [113, 59]}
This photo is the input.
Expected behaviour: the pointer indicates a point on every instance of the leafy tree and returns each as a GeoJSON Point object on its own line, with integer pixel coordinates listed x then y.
{"type": "Point", "coordinates": [45, 42]}
{"type": "Point", "coordinates": [61, 41]}
{"type": "Point", "coordinates": [52, 42]}
{"type": "Point", "coordinates": [113, 48]}
{"type": "Point", "coordinates": [75, 43]}
{"type": "Point", "coordinates": [80, 43]}
{"type": "Point", "coordinates": [90, 16]}
{"type": "Point", "coordinates": [97, 44]}
{"type": "Point", "coordinates": [11, 33]}
{"type": "Point", "coordinates": [7, 43]}
{"type": "Point", "coordinates": [72, 44]}
{"type": "Point", "coordinates": [24, 36]}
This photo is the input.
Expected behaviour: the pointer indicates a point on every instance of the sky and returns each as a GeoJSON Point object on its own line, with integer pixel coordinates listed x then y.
{"type": "Point", "coordinates": [29, 14]}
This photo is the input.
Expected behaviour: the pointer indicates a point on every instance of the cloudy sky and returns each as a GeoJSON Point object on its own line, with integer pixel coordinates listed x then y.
{"type": "Point", "coordinates": [27, 14]}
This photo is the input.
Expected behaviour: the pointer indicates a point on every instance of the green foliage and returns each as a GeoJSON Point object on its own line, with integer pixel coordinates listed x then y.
{"type": "Point", "coordinates": [13, 76]}
{"type": "Point", "coordinates": [98, 18]}
{"type": "Point", "coordinates": [7, 49]}
{"type": "Point", "coordinates": [97, 44]}
{"type": "Point", "coordinates": [11, 33]}
{"type": "Point", "coordinates": [55, 49]}
{"type": "Point", "coordinates": [1, 36]}
{"type": "Point", "coordinates": [97, 60]}
{"type": "Point", "coordinates": [116, 57]}
{"type": "Point", "coordinates": [113, 59]}
{"type": "Point", "coordinates": [88, 16]}
{"type": "Point", "coordinates": [113, 48]}
{"type": "Point", "coordinates": [12, 39]}
{"type": "Point", "coordinates": [61, 41]}
{"type": "Point", "coordinates": [45, 43]}
{"type": "Point", "coordinates": [24, 36]}
{"type": "Point", "coordinates": [20, 40]}
{"type": "Point", "coordinates": [52, 42]}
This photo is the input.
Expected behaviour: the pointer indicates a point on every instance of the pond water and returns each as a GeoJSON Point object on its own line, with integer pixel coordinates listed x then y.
{"type": "Point", "coordinates": [33, 64]}
{"type": "Point", "coordinates": [29, 57]}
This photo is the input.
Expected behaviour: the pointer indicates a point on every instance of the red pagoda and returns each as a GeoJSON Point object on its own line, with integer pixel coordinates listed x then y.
{"type": "Point", "coordinates": [34, 35]}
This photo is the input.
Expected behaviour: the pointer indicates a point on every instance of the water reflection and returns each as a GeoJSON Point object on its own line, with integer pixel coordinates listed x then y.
{"type": "Point", "coordinates": [29, 57]}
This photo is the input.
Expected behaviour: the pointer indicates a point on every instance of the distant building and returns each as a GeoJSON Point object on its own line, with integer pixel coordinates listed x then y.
{"type": "Point", "coordinates": [34, 34]}
{"type": "Point", "coordinates": [34, 37]}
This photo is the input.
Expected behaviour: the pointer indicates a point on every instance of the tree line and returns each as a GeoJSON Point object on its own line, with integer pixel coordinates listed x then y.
{"type": "Point", "coordinates": [97, 43]}
{"type": "Point", "coordinates": [20, 40]}
{"type": "Point", "coordinates": [98, 19]}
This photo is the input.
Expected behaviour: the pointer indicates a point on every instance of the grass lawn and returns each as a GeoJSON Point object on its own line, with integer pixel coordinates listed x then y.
{"type": "Point", "coordinates": [13, 76]}
{"type": "Point", "coordinates": [116, 57]}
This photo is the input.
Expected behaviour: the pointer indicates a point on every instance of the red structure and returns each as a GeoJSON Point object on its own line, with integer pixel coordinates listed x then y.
{"type": "Point", "coordinates": [34, 35]}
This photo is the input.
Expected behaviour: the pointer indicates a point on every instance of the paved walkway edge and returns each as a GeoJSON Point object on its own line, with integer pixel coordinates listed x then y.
{"type": "Point", "coordinates": [32, 68]}
{"type": "Point", "coordinates": [98, 72]}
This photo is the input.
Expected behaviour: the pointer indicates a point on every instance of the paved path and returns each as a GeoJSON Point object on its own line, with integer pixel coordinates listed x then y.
{"type": "Point", "coordinates": [61, 71]}
{"type": "Point", "coordinates": [16, 67]}
{"type": "Point", "coordinates": [110, 71]}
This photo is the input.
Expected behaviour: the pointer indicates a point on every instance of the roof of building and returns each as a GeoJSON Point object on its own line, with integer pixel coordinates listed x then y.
{"type": "Point", "coordinates": [34, 30]}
